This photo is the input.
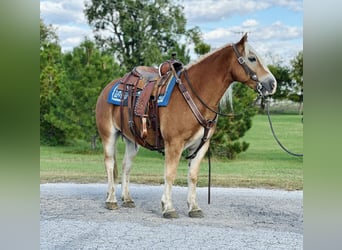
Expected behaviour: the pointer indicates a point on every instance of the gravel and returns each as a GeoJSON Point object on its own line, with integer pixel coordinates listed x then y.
{"type": "Point", "coordinates": [73, 216]}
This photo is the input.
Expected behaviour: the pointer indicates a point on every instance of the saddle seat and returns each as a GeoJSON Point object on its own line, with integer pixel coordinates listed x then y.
{"type": "Point", "coordinates": [147, 73]}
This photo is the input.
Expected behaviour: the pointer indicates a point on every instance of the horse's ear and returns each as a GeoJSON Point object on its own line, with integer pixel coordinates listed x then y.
{"type": "Point", "coordinates": [243, 39]}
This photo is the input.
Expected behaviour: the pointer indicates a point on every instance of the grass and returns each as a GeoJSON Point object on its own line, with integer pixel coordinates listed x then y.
{"type": "Point", "coordinates": [264, 164]}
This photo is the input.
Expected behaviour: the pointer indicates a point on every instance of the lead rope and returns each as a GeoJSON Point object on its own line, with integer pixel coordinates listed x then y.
{"type": "Point", "coordinates": [274, 135]}
{"type": "Point", "coordinates": [209, 174]}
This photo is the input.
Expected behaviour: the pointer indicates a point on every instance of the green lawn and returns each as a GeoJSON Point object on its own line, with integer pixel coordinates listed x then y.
{"type": "Point", "coordinates": [264, 164]}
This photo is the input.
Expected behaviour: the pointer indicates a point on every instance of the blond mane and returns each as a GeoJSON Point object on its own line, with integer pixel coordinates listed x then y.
{"type": "Point", "coordinates": [205, 56]}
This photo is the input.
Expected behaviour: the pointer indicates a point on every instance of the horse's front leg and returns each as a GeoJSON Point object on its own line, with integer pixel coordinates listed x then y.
{"type": "Point", "coordinates": [194, 166]}
{"type": "Point", "coordinates": [172, 156]}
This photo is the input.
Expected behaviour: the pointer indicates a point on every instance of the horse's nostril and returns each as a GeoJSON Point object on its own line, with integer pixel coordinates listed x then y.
{"type": "Point", "coordinates": [272, 85]}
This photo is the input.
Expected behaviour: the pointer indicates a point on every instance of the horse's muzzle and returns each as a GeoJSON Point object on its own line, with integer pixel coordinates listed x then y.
{"type": "Point", "coordinates": [267, 86]}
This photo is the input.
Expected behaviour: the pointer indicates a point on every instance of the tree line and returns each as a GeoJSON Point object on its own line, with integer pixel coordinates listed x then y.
{"type": "Point", "coordinates": [127, 34]}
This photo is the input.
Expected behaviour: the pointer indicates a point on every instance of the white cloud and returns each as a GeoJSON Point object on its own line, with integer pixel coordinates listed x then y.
{"type": "Point", "coordinates": [276, 42]}
{"type": "Point", "coordinates": [210, 10]}
{"type": "Point", "coordinates": [250, 23]}
{"type": "Point", "coordinates": [68, 18]}
{"type": "Point", "coordinates": [72, 36]}
{"type": "Point", "coordinates": [294, 5]}
{"type": "Point", "coordinates": [217, 35]}
{"type": "Point", "coordinates": [276, 31]}
{"type": "Point", "coordinates": [63, 11]}
{"type": "Point", "coordinates": [279, 31]}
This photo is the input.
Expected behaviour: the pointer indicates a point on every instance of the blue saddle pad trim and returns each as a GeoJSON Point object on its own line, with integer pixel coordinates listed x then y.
{"type": "Point", "coordinates": [115, 94]}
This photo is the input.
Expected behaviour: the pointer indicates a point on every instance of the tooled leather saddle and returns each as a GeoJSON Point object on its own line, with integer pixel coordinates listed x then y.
{"type": "Point", "coordinates": [142, 87]}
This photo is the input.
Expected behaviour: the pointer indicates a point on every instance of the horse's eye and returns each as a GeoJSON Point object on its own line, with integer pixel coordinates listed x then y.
{"type": "Point", "coordinates": [252, 58]}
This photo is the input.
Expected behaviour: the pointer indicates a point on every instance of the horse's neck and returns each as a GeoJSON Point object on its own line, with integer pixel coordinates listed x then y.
{"type": "Point", "coordinates": [211, 76]}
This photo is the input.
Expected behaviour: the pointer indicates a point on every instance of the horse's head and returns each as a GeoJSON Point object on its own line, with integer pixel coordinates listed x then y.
{"type": "Point", "coordinates": [250, 70]}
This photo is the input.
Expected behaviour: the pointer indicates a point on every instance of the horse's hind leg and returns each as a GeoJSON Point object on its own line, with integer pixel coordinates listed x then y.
{"type": "Point", "coordinates": [109, 144]}
{"type": "Point", "coordinates": [130, 153]}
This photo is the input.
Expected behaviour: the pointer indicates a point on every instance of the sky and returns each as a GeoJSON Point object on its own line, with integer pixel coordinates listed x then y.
{"type": "Point", "coordinates": [275, 27]}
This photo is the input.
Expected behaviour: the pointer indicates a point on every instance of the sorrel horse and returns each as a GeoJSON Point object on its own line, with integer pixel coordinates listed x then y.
{"type": "Point", "coordinates": [181, 126]}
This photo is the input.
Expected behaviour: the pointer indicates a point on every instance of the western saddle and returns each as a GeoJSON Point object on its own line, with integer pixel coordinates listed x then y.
{"type": "Point", "coordinates": [149, 82]}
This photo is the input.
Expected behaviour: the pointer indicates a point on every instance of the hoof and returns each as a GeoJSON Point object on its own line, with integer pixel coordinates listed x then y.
{"type": "Point", "coordinates": [170, 214]}
{"type": "Point", "coordinates": [111, 205]}
{"type": "Point", "coordinates": [196, 214]}
{"type": "Point", "coordinates": [129, 204]}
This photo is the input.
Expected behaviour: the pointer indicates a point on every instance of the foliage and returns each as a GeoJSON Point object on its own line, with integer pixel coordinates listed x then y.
{"type": "Point", "coordinates": [195, 36]}
{"type": "Point", "coordinates": [290, 80]}
{"type": "Point", "coordinates": [87, 71]}
{"type": "Point", "coordinates": [225, 141]}
{"type": "Point", "coordinates": [297, 75]}
{"type": "Point", "coordinates": [138, 32]}
{"type": "Point", "coordinates": [297, 69]}
{"type": "Point", "coordinates": [52, 76]}
{"type": "Point", "coordinates": [284, 81]}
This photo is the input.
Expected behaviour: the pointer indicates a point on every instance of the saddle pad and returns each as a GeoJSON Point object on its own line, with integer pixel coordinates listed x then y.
{"type": "Point", "coordinates": [115, 94]}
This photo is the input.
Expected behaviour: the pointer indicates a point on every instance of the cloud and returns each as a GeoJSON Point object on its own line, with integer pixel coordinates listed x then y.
{"type": "Point", "coordinates": [213, 10]}
{"type": "Point", "coordinates": [68, 18]}
{"type": "Point", "coordinates": [294, 5]}
{"type": "Point", "coordinates": [276, 31]}
{"type": "Point", "coordinates": [63, 11]}
{"type": "Point", "coordinates": [72, 36]}
{"type": "Point", "coordinates": [210, 10]}
{"type": "Point", "coordinates": [279, 31]}
{"type": "Point", "coordinates": [250, 23]}
{"type": "Point", "coordinates": [277, 42]}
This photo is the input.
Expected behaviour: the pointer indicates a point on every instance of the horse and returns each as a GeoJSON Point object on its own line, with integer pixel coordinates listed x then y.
{"type": "Point", "coordinates": [187, 122]}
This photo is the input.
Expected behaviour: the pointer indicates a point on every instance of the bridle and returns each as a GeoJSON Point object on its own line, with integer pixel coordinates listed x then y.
{"type": "Point", "coordinates": [248, 70]}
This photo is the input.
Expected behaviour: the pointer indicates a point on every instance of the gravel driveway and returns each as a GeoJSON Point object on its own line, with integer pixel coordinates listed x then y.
{"type": "Point", "coordinates": [73, 216]}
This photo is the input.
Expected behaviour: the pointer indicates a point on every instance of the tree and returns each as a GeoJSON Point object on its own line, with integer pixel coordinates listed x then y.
{"type": "Point", "coordinates": [226, 140]}
{"type": "Point", "coordinates": [297, 75]}
{"type": "Point", "coordinates": [195, 36]}
{"type": "Point", "coordinates": [284, 81]}
{"type": "Point", "coordinates": [140, 32]}
{"type": "Point", "coordinates": [87, 71]}
{"type": "Point", "coordinates": [297, 69]}
{"type": "Point", "coordinates": [51, 76]}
